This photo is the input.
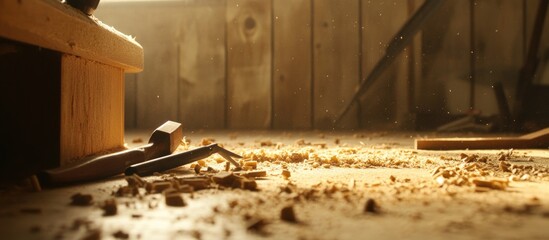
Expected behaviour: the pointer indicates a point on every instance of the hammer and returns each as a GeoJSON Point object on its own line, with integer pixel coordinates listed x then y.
{"type": "Point", "coordinates": [163, 141]}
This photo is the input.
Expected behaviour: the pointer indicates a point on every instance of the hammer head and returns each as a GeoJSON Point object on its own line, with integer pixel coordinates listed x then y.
{"type": "Point", "coordinates": [165, 140]}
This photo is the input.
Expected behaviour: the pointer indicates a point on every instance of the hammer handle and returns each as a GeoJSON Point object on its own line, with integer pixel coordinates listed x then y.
{"type": "Point", "coordinates": [97, 168]}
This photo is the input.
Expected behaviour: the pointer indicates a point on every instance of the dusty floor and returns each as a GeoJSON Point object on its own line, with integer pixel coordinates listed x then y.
{"type": "Point", "coordinates": [412, 194]}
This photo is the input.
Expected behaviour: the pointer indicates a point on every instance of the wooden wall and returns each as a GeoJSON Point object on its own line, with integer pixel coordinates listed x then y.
{"type": "Point", "coordinates": [294, 64]}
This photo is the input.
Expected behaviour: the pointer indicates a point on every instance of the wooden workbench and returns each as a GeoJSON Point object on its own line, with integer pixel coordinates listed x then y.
{"type": "Point", "coordinates": [62, 80]}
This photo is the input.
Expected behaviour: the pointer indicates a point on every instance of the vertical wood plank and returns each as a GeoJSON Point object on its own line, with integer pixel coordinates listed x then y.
{"type": "Point", "coordinates": [499, 50]}
{"type": "Point", "coordinates": [444, 87]}
{"type": "Point", "coordinates": [249, 63]}
{"type": "Point", "coordinates": [381, 20]}
{"type": "Point", "coordinates": [92, 108]}
{"type": "Point", "coordinates": [292, 74]}
{"type": "Point", "coordinates": [202, 65]}
{"type": "Point", "coordinates": [336, 61]}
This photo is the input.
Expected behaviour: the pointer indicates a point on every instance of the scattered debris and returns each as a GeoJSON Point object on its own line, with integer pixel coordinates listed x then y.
{"type": "Point", "coordinates": [121, 235]}
{"type": "Point", "coordinates": [286, 174]}
{"type": "Point", "coordinates": [287, 214]}
{"type": "Point", "coordinates": [79, 199]}
{"type": "Point", "coordinates": [109, 207]}
{"type": "Point", "coordinates": [174, 200]}
{"type": "Point", "coordinates": [371, 206]}
{"type": "Point", "coordinates": [207, 141]}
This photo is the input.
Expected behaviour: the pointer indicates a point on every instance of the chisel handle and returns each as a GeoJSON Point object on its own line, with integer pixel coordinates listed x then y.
{"type": "Point", "coordinates": [171, 161]}
{"type": "Point", "coordinates": [97, 168]}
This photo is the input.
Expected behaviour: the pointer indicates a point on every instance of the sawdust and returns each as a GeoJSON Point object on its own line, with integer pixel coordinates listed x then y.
{"type": "Point", "coordinates": [302, 187]}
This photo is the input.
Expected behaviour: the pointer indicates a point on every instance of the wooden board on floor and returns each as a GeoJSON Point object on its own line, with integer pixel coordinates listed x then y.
{"type": "Point", "coordinates": [202, 65]}
{"type": "Point", "coordinates": [381, 20]}
{"type": "Point", "coordinates": [92, 108]}
{"type": "Point", "coordinates": [498, 49]}
{"type": "Point", "coordinates": [335, 59]}
{"type": "Point", "coordinates": [292, 76]}
{"type": "Point", "coordinates": [249, 63]}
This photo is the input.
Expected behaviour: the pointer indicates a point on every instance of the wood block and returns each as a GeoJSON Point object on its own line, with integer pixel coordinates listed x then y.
{"type": "Point", "coordinates": [249, 63]}
{"type": "Point", "coordinates": [292, 73]}
{"type": "Point", "coordinates": [92, 108]}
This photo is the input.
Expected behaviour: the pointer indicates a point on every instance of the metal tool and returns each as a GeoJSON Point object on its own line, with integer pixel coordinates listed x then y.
{"type": "Point", "coordinates": [175, 160]}
{"type": "Point", "coordinates": [86, 6]}
{"type": "Point", "coordinates": [163, 141]}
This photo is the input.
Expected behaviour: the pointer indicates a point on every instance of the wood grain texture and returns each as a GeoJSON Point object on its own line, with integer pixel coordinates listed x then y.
{"type": "Point", "coordinates": [498, 48]}
{"type": "Point", "coordinates": [336, 58]}
{"type": "Point", "coordinates": [92, 108]}
{"type": "Point", "coordinates": [292, 76]}
{"type": "Point", "coordinates": [249, 63]}
{"type": "Point", "coordinates": [446, 47]}
{"type": "Point", "coordinates": [381, 20]}
{"type": "Point", "coordinates": [202, 65]}
{"type": "Point", "coordinates": [56, 26]}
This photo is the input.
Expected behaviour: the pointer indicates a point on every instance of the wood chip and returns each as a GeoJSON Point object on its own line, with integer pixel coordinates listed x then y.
{"type": "Point", "coordinates": [286, 174]}
{"type": "Point", "coordinates": [174, 200]}
{"type": "Point", "coordinates": [224, 178]}
{"type": "Point", "coordinates": [197, 168]}
{"type": "Point", "coordinates": [135, 181]}
{"type": "Point", "coordinates": [227, 166]}
{"type": "Point", "coordinates": [121, 235]}
{"type": "Point", "coordinates": [196, 183]}
{"type": "Point", "coordinates": [158, 187]}
{"type": "Point", "coordinates": [371, 206]}
{"type": "Point", "coordinates": [248, 184]}
{"type": "Point", "coordinates": [251, 164]}
{"type": "Point", "coordinates": [110, 207]}
{"type": "Point", "coordinates": [207, 141]}
{"type": "Point", "coordinates": [254, 174]}
{"type": "Point", "coordinates": [287, 214]}
{"type": "Point", "coordinates": [79, 199]}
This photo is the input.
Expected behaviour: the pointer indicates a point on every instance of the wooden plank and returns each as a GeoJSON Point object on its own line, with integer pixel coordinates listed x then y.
{"type": "Point", "coordinates": [336, 61]}
{"type": "Point", "coordinates": [444, 87]}
{"type": "Point", "coordinates": [498, 49]}
{"type": "Point", "coordinates": [92, 108]}
{"type": "Point", "coordinates": [57, 26]}
{"type": "Point", "coordinates": [381, 20]}
{"type": "Point", "coordinates": [202, 65]}
{"type": "Point", "coordinates": [292, 76]}
{"type": "Point", "coordinates": [538, 139]}
{"type": "Point", "coordinates": [249, 63]}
